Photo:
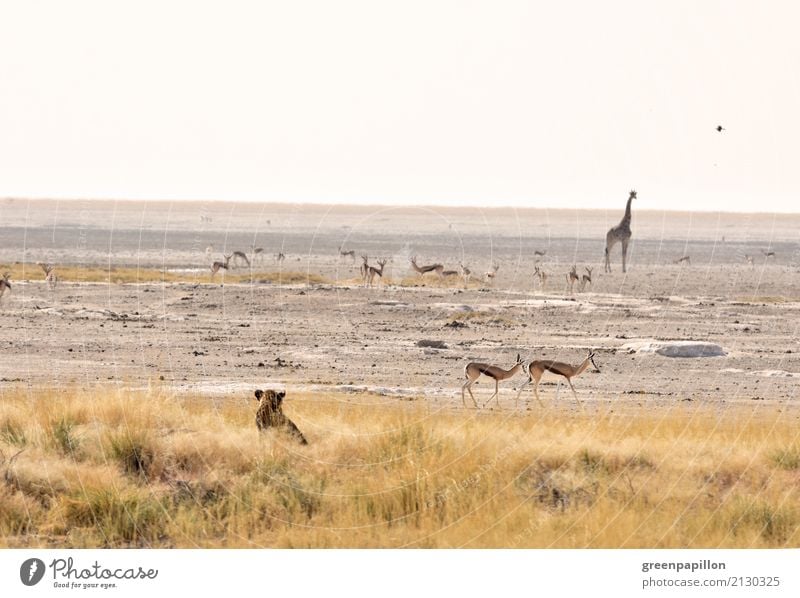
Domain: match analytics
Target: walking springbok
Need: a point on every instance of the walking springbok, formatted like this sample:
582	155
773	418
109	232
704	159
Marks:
50	276
351	254
492	274
4	284
541	275
768	254
217	266
620	234
586	278
372	271
280	256
473	371
572	278
537	368
684	260
422	270
540	253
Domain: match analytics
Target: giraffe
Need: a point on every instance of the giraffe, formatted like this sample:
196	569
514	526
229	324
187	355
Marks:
620	233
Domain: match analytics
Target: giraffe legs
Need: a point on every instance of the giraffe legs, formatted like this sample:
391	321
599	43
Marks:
624	253
611	240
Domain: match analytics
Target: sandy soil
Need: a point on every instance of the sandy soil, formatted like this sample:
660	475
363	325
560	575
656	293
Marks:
225	339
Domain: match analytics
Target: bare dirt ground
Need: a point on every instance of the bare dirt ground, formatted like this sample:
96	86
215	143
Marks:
212	338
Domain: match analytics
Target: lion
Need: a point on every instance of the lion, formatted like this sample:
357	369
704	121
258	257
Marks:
270	413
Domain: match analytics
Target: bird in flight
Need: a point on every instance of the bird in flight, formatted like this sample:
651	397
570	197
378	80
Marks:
720	129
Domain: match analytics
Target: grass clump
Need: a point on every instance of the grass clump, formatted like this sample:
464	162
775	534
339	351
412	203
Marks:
133	451
786	458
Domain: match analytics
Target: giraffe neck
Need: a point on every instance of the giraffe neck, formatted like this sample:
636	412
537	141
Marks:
626	219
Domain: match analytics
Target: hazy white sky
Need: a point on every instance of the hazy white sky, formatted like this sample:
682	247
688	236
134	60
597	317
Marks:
560	104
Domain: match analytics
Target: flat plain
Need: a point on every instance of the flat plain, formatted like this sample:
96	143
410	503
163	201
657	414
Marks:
697	450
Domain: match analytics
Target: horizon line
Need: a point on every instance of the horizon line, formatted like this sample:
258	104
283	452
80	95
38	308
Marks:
378	204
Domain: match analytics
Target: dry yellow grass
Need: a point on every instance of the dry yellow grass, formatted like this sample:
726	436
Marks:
149	275
121	468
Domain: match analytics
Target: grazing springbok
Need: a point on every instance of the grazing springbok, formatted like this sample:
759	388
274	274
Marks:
473	371
684	260
240	256
539	367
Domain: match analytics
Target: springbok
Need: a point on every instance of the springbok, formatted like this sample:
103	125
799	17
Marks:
473	371
586	278
351	254
422	270
466	273
492	274
217	266
239	256
541	275
372	271
50	276
572	278
539	367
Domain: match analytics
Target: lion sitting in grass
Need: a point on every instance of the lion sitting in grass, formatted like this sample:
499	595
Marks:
270	413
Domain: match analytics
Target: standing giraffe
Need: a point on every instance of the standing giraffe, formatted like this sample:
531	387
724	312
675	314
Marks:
620	233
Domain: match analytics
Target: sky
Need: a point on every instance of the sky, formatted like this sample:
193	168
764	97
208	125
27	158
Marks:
474	103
